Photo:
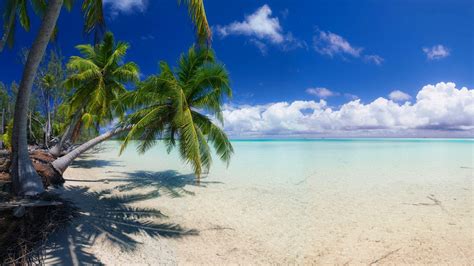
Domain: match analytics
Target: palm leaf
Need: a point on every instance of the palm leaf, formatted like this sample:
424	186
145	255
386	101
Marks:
198	16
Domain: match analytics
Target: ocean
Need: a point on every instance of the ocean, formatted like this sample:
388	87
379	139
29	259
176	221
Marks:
290	161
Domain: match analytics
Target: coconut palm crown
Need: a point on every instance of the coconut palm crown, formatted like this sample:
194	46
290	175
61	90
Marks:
180	108
99	78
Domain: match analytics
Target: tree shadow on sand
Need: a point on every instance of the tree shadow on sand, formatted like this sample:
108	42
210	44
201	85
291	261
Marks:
94	163
110	218
170	182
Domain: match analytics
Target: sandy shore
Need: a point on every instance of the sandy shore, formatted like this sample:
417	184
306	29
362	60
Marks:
311	221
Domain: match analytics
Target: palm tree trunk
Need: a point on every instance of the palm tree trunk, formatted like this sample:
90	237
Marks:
62	163
48	125
2	125
76	132
48	132
30	131
26	182
8	28
57	149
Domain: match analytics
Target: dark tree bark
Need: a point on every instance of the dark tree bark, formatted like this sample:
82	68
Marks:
26	182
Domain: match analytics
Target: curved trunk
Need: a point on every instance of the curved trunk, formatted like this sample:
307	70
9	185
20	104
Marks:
57	149
62	163
76	132
26	181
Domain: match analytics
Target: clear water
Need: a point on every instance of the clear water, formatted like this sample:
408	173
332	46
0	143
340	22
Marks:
283	162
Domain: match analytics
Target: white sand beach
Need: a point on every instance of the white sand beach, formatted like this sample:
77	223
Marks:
324	217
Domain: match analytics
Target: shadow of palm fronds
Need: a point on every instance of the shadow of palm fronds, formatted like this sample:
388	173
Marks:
109	219
170	182
94	163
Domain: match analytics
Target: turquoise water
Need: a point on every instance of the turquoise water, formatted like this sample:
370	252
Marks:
283	162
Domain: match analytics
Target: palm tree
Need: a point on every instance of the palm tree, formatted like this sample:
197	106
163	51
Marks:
167	107
48	83
26	181
179	108
99	77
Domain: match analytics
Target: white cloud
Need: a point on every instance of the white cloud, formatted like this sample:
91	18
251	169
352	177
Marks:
125	6
436	52
321	92
438	108
259	24
331	44
261	27
328	43
378	60
399	96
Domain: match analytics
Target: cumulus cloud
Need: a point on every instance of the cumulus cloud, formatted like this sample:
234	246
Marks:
438	108
399	96
262	28
125	6
331	44
321	92
436	52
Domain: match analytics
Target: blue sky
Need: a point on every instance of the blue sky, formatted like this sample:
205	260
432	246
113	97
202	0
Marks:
331	52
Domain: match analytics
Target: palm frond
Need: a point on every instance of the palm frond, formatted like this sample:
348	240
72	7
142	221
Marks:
222	145
189	142
199	84
128	72
86	50
23	14
94	20
197	14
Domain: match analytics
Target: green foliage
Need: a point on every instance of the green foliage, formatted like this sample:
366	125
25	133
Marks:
98	78
167	106
17	11
7	137
197	13
4	98
94	20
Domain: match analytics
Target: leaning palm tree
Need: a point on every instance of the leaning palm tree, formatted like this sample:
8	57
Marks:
168	106
26	181
99	78
179	107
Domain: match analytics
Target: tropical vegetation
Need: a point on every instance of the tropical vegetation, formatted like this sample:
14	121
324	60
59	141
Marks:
26	181
179	107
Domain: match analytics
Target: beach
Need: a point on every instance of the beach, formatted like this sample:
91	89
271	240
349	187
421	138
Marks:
279	201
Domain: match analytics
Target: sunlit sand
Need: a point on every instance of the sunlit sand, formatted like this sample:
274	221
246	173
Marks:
376	201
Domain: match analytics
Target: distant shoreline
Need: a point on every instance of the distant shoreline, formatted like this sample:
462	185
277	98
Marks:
352	139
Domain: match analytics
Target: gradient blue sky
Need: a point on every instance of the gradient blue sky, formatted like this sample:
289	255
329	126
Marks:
287	51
